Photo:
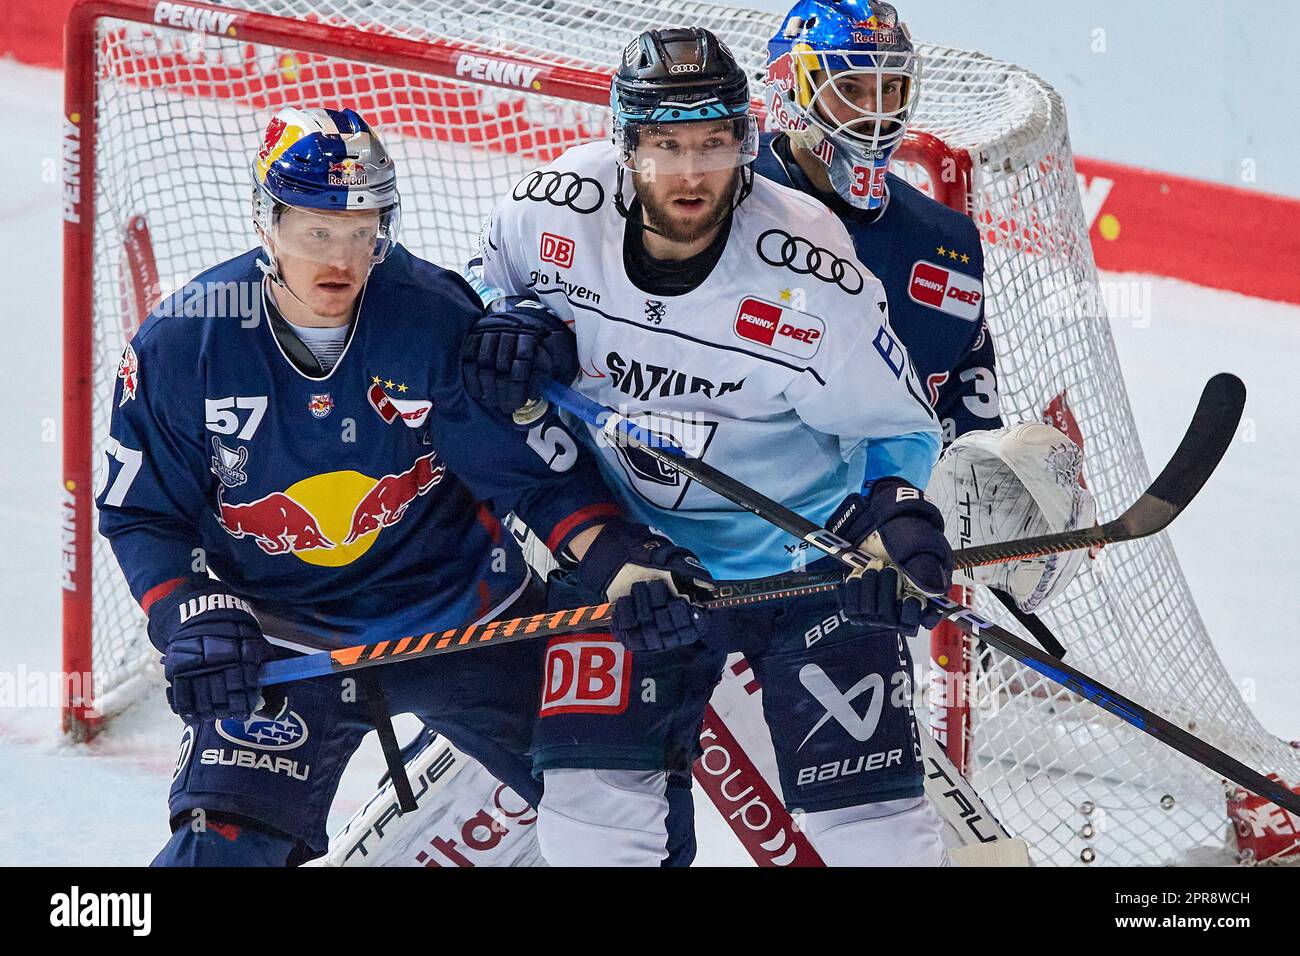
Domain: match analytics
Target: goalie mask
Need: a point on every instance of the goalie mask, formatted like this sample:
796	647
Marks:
1009	483
842	79
324	162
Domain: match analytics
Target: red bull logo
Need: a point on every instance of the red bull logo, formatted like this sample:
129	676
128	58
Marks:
274	130
277	522
280	136
386	503
874	30
320	405
781	73
349	172
332	519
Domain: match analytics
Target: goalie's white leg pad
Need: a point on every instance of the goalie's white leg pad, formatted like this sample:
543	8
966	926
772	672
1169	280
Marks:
604	817
905	832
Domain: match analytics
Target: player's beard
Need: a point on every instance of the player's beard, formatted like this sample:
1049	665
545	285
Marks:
657	213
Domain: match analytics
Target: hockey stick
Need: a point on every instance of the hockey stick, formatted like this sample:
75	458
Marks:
543	625
1212	429
1201	449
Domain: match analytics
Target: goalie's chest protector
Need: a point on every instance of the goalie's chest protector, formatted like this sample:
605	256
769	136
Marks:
711	367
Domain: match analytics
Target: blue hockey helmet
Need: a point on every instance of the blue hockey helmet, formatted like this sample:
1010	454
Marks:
842	80
327	161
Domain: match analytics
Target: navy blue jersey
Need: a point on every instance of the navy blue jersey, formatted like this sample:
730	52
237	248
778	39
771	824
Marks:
929	259
360	501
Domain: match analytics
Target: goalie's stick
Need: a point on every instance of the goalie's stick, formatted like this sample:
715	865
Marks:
1212	429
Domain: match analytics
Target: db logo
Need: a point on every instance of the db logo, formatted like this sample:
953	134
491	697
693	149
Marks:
785	330
586	674
953	292
557	249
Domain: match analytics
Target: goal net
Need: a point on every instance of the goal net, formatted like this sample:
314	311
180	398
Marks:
166	100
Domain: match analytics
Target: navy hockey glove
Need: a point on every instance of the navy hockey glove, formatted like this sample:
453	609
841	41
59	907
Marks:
212	648
509	350
910	531
651	581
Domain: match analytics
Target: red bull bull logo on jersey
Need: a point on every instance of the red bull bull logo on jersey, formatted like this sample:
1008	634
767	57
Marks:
331	519
386	503
276	522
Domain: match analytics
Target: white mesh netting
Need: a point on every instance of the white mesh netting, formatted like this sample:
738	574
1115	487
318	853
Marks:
179	112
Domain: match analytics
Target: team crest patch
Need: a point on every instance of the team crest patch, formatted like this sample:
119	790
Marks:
413	412
128	370
320	405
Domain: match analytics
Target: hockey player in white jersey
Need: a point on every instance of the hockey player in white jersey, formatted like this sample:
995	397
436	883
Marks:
732	314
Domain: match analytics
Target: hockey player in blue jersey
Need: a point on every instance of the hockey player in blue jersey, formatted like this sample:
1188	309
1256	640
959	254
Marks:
317	453
731	312
843	81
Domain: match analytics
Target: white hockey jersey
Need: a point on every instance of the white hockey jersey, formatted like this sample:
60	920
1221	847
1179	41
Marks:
780	368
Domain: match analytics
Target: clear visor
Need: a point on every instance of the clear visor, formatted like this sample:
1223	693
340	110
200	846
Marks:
350	241
869	105
669	149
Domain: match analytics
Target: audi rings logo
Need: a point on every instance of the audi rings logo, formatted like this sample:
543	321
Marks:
578	193
778	248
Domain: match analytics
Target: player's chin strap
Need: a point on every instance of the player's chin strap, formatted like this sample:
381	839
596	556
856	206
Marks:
272	272
745	187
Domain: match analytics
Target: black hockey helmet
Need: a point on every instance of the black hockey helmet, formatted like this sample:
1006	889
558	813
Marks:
680	75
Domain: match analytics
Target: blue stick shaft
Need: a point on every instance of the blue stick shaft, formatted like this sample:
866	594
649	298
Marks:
607	420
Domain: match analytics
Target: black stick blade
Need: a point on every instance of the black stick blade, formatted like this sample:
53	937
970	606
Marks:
1213	427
